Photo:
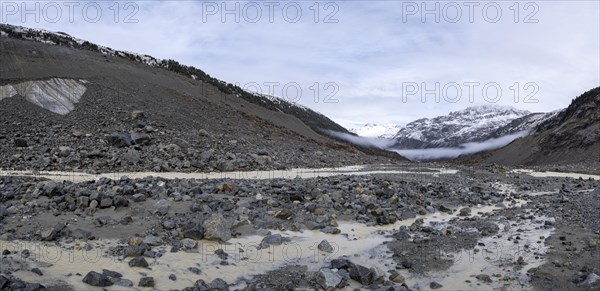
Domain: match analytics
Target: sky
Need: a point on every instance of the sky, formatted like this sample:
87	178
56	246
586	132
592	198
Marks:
357	62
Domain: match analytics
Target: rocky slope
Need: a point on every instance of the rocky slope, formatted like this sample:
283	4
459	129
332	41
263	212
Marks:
469	125
571	136
77	106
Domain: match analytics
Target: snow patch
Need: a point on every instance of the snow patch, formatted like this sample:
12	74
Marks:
56	94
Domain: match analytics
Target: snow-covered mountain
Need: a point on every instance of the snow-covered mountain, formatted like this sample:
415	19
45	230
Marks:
528	122
377	130
472	124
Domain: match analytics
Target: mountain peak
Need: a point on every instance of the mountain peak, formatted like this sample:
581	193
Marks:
491	108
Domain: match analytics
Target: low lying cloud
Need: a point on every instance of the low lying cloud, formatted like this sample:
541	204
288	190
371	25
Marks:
381	143
464	149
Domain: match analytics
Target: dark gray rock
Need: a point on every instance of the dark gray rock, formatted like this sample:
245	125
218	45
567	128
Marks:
362	274
146	282
193	230
218	284
152	240
106	202
120	201
138	262
484	278
119	139
325	246
274	239
140	138
162	207
97	279
20	143
331	230
435	285
110	273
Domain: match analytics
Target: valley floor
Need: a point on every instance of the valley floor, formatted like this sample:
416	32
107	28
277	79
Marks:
385	227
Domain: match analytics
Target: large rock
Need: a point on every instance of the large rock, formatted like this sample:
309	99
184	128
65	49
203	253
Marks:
138	262
132	155
362	274
218	284
162	206
140	138
152	240
327	279
217	228
64	151
97	279
119	139
206	155
193	231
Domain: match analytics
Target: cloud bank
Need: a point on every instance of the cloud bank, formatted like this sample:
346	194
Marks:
464	149
381	143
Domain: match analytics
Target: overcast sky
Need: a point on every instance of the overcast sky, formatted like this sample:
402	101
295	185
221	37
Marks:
373	58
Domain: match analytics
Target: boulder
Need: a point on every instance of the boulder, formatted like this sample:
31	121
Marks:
97	279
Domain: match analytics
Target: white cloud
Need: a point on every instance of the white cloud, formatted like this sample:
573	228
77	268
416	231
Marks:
464	149
370	52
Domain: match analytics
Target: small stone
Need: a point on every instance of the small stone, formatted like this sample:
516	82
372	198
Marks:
162	206
465	211
134	241
146	282
138	262
172	277
138	114
274	239
331	230
397	277
325	246
189	243
152	240
484	278
97	279
435	285
37	271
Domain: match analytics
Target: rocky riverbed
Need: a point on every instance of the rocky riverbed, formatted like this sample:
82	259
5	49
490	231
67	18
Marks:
378	227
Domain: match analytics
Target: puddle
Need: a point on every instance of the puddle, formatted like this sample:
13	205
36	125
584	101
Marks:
557	174
238	175
497	258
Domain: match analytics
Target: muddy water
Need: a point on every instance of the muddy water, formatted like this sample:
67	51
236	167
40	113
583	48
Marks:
239	175
358	242
557	174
